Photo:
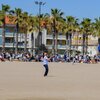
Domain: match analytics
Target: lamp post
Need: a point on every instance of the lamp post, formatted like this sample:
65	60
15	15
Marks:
40	3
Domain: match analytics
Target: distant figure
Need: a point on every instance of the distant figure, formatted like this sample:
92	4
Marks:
45	63
99	48
74	60
65	57
1	58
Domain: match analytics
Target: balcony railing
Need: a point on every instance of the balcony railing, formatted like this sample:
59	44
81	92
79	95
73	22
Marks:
61	46
11	45
62	37
8	44
8	34
49	37
58	46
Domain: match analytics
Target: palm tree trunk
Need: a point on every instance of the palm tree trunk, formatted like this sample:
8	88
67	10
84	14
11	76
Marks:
77	41
17	29
99	40
13	41
67	43
83	44
20	41
86	43
70	44
54	36
53	44
56	44
3	38
25	49
32	42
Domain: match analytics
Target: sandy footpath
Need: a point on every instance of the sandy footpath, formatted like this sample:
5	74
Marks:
25	81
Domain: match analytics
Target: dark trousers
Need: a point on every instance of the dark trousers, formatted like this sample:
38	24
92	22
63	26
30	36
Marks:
46	70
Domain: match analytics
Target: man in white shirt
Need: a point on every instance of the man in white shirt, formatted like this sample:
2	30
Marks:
45	64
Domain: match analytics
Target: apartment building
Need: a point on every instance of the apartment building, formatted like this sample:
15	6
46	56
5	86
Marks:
76	44
10	37
47	40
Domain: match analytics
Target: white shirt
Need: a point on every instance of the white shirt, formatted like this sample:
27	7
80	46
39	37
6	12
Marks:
0	56
45	60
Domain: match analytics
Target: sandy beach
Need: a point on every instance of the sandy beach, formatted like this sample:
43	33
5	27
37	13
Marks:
65	81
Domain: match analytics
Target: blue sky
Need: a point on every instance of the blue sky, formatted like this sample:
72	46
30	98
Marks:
77	8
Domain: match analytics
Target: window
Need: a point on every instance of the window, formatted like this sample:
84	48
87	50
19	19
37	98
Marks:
1	30
0	40
49	42
9	40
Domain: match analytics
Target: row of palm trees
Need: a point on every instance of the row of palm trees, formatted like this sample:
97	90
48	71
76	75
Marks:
54	23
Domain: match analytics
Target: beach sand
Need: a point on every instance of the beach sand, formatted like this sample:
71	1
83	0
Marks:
65	81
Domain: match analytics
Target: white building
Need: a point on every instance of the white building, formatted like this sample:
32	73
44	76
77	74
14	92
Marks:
47	40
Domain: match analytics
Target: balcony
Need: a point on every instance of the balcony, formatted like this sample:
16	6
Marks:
49	37
8	44
11	45
60	37
9	34
58	46
61	46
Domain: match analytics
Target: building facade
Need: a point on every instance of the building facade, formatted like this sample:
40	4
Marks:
10	39
76	44
47	39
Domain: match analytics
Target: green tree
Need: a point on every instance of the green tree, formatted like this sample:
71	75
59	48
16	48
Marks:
86	30
25	26
97	28
72	26
33	29
18	15
56	18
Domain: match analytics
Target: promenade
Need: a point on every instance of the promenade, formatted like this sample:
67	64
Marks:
65	81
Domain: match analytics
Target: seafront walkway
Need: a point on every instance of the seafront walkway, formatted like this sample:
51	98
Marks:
65	81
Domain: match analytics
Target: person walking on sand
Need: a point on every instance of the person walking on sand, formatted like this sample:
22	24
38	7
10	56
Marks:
45	63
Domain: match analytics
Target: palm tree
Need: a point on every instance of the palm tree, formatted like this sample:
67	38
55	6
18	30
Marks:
17	13
1	18
57	17
97	30
5	9
86	28
43	23
72	25
97	27
46	21
33	29
25	26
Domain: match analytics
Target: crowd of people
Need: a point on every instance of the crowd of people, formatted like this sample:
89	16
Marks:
27	57
15	57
